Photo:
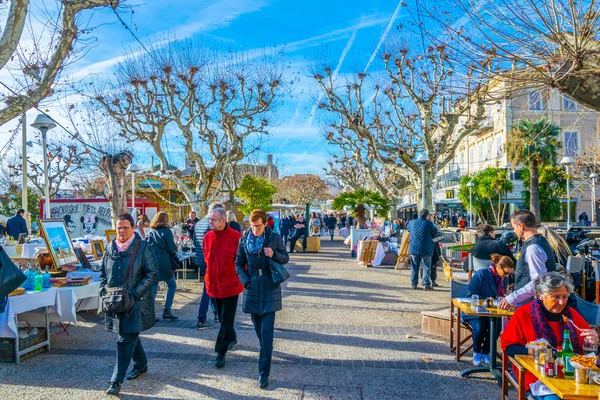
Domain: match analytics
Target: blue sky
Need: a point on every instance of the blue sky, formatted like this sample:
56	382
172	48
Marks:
345	32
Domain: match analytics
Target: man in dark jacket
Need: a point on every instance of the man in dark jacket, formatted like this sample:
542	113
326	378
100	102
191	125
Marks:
262	297
191	224
284	228
16	225
221	280
200	229
331	222
422	231
299	233
129	249
487	245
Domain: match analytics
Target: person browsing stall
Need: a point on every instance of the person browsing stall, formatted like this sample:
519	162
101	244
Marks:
546	317
487	245
485	283
222	282
537	258
262	297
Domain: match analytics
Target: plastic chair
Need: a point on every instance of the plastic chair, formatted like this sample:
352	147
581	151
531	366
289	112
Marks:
589	311
458	289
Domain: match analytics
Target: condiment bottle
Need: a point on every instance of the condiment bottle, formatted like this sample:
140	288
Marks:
567	353
559	364
549	363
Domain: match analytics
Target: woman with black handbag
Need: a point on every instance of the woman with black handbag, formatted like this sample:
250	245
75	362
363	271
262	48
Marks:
261	249
129	270
163	244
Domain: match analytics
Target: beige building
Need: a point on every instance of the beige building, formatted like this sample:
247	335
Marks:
579	132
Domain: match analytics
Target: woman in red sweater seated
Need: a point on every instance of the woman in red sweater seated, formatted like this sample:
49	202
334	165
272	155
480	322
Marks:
542	318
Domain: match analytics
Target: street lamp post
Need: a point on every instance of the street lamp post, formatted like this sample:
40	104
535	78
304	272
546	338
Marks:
44	123
470	186
566	161
132	169
593	177
422	159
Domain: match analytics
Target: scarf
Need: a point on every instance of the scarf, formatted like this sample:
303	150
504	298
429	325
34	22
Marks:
499	281
255	244
125	245
543	330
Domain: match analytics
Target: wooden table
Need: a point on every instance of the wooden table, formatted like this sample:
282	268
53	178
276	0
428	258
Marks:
494	314
563	388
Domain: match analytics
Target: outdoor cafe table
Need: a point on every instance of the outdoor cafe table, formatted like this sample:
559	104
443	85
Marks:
494	314
563	388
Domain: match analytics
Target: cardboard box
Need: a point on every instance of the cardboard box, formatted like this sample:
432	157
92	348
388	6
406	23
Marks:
313	244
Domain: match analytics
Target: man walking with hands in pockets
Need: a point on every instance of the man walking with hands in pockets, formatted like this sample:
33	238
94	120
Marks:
221	280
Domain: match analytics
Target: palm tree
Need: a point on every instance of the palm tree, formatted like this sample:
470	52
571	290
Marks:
534	143
358	199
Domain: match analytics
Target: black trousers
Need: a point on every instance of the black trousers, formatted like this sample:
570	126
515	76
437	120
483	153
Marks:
128	347
264	326
295	238
226	309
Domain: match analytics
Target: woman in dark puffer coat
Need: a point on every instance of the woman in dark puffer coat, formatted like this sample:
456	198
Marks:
262	298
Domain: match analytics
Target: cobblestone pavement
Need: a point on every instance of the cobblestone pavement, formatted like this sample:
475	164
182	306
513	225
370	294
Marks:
346	332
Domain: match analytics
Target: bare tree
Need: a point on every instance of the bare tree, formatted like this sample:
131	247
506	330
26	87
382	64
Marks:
301	189
414	109
36	67
213	102
552	43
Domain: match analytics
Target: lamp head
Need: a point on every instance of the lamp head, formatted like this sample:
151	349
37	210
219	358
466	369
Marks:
422	159
567	161
133	168
593	175
43	122
470	184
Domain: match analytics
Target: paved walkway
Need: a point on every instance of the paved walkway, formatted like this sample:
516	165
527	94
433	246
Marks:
346	332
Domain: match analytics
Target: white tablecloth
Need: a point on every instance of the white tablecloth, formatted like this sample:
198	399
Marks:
23	303
83	273
379	254
66	306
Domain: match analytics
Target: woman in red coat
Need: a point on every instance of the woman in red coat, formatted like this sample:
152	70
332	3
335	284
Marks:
542	318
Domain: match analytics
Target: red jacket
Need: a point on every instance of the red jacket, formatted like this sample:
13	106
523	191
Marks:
220	249
520	331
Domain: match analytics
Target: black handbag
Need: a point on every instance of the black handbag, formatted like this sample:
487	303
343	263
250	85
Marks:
11	276
278	272
116	300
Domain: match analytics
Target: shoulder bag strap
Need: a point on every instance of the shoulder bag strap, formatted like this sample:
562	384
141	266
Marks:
131	261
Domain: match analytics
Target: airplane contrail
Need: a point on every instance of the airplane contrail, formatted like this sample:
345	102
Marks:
337	69
384	36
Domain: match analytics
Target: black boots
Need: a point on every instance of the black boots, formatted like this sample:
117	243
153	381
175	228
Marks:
167	315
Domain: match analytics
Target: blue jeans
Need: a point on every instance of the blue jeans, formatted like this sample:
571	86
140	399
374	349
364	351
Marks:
128	347
172	287
331	232
265	327
422	263
285	238
481	334
203	309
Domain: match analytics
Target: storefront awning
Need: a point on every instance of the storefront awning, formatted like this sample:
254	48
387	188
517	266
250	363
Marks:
407	205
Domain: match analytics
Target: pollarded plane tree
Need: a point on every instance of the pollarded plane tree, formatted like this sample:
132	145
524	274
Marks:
212	102
419	106
548	43
37	43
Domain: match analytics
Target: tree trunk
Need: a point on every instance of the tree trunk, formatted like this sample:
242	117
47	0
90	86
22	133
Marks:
534	191
115	169
429	176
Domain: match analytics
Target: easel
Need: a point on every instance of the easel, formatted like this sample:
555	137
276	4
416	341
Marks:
403	256
367	252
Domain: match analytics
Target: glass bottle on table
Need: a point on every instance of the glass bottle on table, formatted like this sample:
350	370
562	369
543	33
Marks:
559	364
549	363
46	284
567	353
38	281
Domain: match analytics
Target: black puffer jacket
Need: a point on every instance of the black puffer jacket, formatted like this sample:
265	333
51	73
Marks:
261	295
143	276
163	245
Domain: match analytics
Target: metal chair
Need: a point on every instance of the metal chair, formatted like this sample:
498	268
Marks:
589	311
475	264
458	289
